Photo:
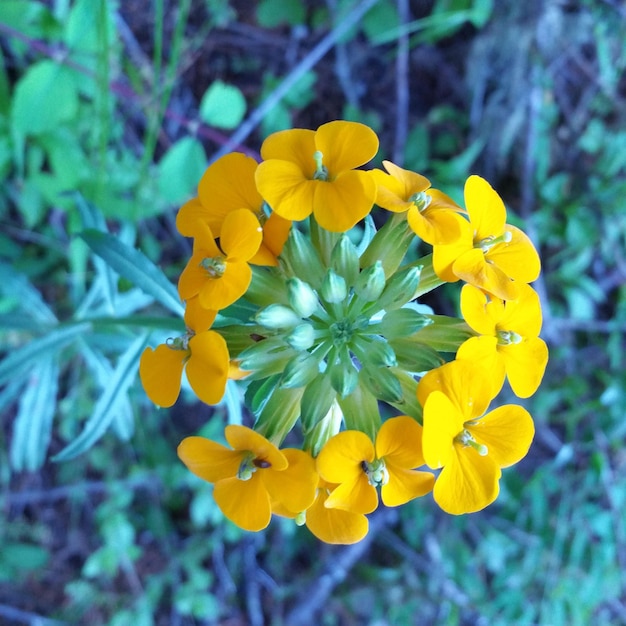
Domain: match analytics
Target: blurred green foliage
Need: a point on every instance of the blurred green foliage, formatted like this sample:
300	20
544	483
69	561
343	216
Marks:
103	134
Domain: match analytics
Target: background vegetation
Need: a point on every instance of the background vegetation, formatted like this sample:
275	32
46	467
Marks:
109	113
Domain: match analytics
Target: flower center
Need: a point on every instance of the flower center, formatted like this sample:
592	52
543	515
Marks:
321	171
249	464
507	337
376	472
490	242
421	200
466	439
214	266
178	343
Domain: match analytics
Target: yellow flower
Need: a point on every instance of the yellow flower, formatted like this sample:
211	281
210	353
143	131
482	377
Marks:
509	343
226	186
307	171
352	461
219	278
203	355
469	445
430	213
251	475
489	254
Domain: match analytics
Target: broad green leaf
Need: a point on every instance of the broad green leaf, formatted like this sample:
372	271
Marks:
31	353
108	403
45	96
136	267
223	106
180	169
33	425
17	558
83	26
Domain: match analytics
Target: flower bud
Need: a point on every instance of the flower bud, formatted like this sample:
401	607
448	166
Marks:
334	288
302	337
300	370
382	383
276	316
374	351
400	289
343	375
302	259
344	259
371	282
302	298
402	323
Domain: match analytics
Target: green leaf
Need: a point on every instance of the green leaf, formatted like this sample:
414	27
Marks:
136	267
223	106
44	97
32	353
33	425
272	13
21	557
15	285
180	169
108	403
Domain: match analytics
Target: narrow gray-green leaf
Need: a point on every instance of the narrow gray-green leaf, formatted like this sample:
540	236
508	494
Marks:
16	285
105	410
136	267
32	352
33	425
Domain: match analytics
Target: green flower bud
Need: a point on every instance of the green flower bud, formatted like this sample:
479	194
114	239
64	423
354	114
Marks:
374	351
400	289
277	316
414	356
317	399
266	357
302	298
300	370
371	282
382	383
302	259
389	245
343	375
344	259
402	323
302	337
334	288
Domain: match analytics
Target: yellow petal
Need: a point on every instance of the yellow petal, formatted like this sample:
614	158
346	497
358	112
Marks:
341	457
468	483
218	293
399	440
244	502
405	485
518	259
436	226
356	495
390	192
444	256
473	268
188	217
507	432
208	459
286	189
335	525
207	368
244	438
524	314
294	487
296	145
486	210
466	385
227	185
484	352
525	365
340	204
192	278
411	182
345	145
442	423
160	371
475	312
197	318
275	233
241	235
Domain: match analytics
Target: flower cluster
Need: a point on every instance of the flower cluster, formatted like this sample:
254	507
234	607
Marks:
292	291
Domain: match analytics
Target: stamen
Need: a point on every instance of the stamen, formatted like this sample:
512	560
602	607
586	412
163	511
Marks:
421	200
466	439
214	266
321	171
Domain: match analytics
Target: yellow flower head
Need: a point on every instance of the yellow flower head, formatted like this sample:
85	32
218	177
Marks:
307	171
509	344
219	278
203	355
489	254
351	460
430	213
226	186
469	445
250	475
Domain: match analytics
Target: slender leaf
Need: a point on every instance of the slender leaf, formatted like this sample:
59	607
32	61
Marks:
136	267
31	353
108	403
17	286
33	425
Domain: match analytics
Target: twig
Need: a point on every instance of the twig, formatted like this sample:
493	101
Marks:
336	570
26	617
309	61
402	80
253	587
